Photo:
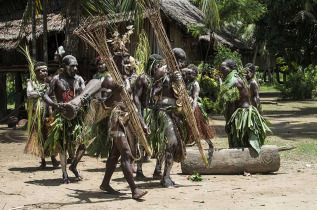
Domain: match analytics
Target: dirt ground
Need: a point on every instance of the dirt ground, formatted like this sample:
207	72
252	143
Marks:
23	186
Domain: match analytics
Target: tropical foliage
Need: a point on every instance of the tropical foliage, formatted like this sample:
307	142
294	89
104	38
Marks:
288	29
300	85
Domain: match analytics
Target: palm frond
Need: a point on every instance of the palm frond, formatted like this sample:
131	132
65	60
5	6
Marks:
142	52
25	51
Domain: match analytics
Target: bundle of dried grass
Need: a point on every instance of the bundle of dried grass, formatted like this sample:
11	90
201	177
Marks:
151	9
93	31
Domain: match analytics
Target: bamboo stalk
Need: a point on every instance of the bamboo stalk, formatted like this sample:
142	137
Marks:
151	9
93	31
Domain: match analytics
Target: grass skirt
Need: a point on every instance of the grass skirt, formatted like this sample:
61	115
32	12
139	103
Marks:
37	128
65	134
247	128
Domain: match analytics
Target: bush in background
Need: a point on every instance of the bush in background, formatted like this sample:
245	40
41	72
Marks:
300	85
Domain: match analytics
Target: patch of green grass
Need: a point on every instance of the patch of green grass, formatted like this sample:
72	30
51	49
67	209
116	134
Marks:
268	88
305	150
309	149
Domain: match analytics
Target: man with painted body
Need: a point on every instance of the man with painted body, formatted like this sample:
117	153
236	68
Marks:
253	86
65	87
124	143
253	127
166	100
143	100
190	75
35	91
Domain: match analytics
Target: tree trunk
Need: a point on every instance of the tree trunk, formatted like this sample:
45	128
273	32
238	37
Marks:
72	39
277	72
3	95
255	54
18	92
233	161
33	30
45	53
288	61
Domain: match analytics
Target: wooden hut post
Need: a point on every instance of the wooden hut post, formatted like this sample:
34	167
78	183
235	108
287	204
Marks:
18	91
45	54
33	30
3	95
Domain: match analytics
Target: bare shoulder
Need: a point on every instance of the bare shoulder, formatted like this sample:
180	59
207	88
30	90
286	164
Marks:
142	79
55	78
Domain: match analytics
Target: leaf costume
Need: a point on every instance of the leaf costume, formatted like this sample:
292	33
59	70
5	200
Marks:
65	134
205	130
37	127
247	128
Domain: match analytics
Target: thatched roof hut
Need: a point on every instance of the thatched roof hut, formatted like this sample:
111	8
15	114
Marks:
10	33
182	12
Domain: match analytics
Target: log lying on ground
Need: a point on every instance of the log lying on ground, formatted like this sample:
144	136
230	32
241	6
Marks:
233	161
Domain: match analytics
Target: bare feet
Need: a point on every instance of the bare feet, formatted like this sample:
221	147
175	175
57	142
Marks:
140	176
137	194
109	189
65	181
167	182
76	173
54	162
157	175
43	164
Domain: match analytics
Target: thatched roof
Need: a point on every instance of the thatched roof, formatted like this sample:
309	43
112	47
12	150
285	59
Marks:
10	30
224	37
181	12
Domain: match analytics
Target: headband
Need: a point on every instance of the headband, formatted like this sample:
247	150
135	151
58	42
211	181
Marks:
39	67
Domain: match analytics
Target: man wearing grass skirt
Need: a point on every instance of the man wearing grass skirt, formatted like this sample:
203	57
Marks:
244	124
65	134
38	115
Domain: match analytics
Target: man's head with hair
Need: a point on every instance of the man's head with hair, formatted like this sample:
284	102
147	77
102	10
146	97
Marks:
251	69
40	69
154	63
194	68
180	56
227	66
70	65
101	66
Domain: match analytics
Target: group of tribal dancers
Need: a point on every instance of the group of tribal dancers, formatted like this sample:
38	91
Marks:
156	102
